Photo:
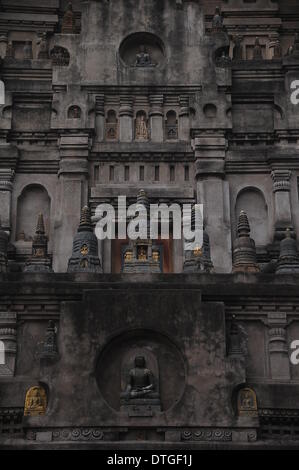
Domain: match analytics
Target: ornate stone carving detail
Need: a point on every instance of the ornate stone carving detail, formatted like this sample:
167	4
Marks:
49	347
6	179
252	436
207	435
60	56
281	180
70	434
11	420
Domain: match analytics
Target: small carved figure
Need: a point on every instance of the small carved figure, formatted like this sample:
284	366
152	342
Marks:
43	52
217	22
247	403
128	256
35	402
141	127
74	112
238	50
223	61
143	58
10	51
277	50
257	50
140	381
142	255
68	22
28	50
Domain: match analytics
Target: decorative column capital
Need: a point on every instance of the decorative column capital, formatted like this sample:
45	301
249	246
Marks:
6	179
184	104
126	106
281	180
99	108
156	102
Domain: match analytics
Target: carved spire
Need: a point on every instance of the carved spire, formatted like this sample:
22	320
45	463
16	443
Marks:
49	347
198	259
39	260
288	261
244	252
85	220
141	256
243	225
40	228
85	256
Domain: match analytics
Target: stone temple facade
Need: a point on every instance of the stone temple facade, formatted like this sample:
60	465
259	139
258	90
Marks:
119	344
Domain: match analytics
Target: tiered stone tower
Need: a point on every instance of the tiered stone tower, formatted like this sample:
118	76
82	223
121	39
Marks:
129	343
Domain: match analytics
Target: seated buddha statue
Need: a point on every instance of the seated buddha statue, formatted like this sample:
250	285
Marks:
140	380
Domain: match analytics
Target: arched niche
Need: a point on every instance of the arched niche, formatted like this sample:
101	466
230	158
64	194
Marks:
252	201
74	112
33	200
171	125
140	43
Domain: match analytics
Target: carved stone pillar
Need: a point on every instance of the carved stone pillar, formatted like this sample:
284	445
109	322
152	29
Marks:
73	174
156	118
100	118
126	119
6	186
282	201
3	45
277	346
213	193
8	336
184	119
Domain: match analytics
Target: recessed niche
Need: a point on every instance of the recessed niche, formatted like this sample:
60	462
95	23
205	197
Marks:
210	110
142	50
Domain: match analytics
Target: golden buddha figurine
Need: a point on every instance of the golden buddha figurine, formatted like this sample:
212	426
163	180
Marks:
35	402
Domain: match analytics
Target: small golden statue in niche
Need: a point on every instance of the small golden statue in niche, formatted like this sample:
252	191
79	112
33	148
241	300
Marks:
35	402
84	250
141	127
128	256
142	253
197	251
247	402
156	256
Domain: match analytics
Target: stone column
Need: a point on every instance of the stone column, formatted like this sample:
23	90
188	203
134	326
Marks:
213	193
126	119
3	45
277	347
282	202
8	336
100	118
184	119
156	118
6	186
73	192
